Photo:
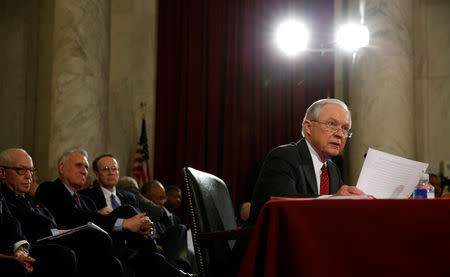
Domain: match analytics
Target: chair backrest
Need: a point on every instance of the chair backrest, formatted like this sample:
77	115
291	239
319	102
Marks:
210	209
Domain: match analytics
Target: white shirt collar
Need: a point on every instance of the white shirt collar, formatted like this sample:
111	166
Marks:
68	188
107	195
317	163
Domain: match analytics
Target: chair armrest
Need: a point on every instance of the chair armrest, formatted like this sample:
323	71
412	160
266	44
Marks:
208	237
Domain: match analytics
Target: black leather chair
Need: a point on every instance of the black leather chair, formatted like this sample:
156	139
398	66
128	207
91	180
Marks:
212	220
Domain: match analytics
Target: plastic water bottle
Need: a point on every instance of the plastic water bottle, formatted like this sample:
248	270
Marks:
424	189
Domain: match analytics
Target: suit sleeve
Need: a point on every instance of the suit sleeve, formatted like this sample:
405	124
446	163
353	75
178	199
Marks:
281	175
10	230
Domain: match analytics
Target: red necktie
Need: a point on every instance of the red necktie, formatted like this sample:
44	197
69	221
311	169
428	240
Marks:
77	198
324	181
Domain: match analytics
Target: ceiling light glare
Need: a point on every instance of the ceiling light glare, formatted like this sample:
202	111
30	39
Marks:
351	37
291	37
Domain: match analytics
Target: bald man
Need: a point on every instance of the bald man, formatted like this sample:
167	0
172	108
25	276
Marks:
171	237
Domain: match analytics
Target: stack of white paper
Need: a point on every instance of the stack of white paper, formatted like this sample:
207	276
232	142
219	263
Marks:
388	176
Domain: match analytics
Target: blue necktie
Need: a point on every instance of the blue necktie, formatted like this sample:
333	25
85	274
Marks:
114	202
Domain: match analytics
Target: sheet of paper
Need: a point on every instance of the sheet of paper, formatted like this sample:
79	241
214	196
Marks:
388	176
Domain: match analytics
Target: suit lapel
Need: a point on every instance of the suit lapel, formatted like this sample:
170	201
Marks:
307	165
100	196
67	194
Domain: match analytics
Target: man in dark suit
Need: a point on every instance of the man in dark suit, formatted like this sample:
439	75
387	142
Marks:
51	260
92	246
14	258
104	192
303	169
173	202
171	234
153	211
72	209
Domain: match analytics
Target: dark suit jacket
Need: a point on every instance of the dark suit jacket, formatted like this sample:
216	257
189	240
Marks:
96	194
35	218
153	211
67	212
288	171
10	229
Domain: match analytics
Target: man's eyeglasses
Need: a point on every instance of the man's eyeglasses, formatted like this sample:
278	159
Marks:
21	170
107	168
334	128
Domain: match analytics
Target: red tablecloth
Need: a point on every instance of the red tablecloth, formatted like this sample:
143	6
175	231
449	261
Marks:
409	237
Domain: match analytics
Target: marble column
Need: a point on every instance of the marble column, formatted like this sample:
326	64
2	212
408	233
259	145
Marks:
79	79
381	85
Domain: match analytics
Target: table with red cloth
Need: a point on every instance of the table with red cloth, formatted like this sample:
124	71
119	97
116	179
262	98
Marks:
351	237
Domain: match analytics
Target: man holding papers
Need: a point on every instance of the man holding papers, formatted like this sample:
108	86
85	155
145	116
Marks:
303	169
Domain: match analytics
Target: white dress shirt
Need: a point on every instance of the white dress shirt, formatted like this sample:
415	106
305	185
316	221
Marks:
317	163
107	195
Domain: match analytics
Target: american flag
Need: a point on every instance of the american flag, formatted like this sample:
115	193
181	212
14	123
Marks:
141	168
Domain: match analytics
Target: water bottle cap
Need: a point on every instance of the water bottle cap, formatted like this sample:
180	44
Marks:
424	176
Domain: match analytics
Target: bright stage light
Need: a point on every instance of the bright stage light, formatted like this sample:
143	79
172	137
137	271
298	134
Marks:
292	37
351	37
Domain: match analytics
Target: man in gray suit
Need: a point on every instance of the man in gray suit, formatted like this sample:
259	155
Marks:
304	169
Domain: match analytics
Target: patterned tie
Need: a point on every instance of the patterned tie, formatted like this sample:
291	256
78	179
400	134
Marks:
324	181
77	198
114	202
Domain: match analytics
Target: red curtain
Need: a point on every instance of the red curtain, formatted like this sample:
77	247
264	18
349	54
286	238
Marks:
225	94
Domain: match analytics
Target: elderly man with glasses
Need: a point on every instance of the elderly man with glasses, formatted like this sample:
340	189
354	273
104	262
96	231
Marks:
303	169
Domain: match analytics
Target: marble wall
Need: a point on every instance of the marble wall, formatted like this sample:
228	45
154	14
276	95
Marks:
76	74
17	73
432	80
132	78
399	104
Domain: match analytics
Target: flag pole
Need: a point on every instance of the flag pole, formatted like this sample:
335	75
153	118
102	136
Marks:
143	106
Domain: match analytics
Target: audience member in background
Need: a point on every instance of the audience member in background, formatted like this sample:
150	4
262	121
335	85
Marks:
92	248
436	182
71	209
104	192
153	211
173	202
14	258
244	212
171	237
50	260
88	183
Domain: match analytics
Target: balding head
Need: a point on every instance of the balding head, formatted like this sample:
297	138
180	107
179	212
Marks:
155	192
16	170
127	181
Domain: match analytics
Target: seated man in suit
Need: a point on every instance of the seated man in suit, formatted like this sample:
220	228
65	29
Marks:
173	202
50	260
153	211
104	192
71	209
304	169
171	235
92	247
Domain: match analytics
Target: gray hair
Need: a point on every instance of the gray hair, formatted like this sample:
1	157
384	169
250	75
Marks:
5	155
66	154
127	181
313	112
